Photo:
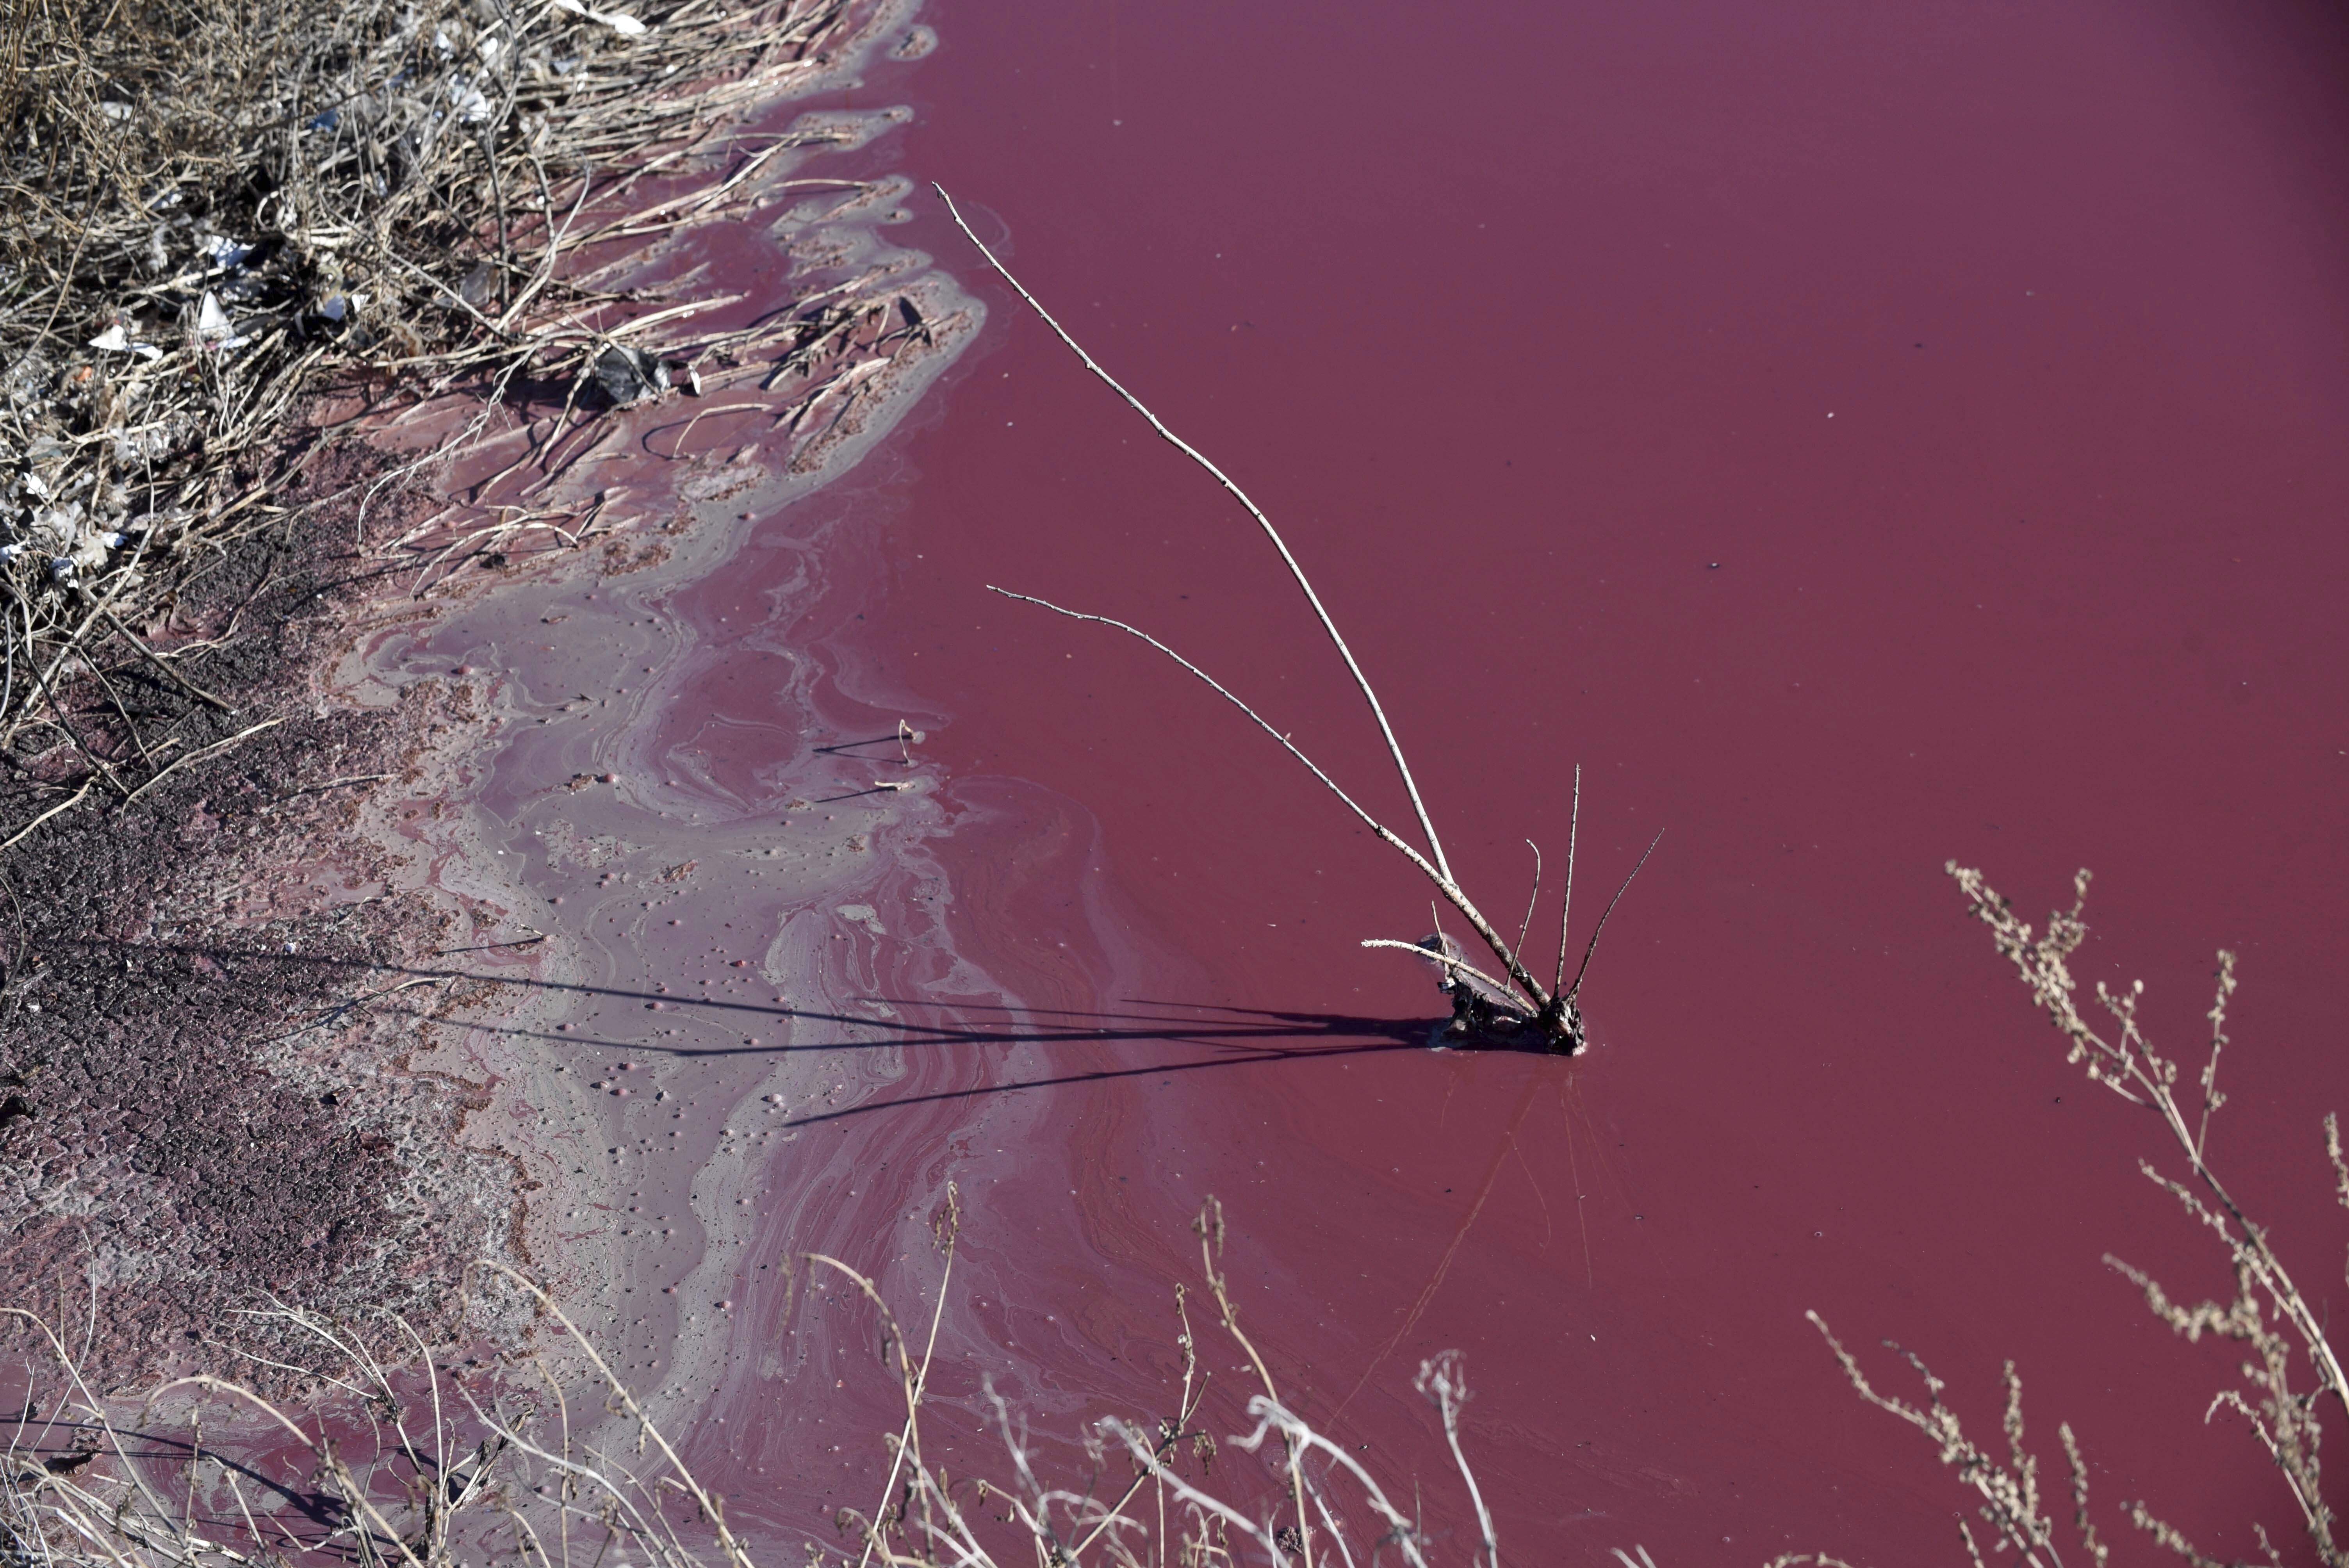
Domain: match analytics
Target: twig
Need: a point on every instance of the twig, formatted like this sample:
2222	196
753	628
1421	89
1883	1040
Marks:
215	749
62	806
1395	748
1576	989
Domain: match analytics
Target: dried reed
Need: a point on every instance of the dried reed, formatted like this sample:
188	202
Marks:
409	1462
1325	1501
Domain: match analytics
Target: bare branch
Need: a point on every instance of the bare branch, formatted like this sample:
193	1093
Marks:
1395	748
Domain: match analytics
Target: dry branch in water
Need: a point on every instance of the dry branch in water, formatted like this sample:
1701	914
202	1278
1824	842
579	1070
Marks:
1482	1007
2277	1325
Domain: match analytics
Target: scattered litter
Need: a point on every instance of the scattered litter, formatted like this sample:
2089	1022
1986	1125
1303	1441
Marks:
473	108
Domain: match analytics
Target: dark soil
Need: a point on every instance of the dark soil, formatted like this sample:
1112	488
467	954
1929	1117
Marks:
193	1116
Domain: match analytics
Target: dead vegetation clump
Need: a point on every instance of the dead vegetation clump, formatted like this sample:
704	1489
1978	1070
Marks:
397	1457
407	1460
2291	1369
215	210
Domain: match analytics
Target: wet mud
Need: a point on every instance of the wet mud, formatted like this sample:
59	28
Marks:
287	1029
196	1122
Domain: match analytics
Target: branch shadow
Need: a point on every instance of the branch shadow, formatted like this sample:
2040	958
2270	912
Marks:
1231	1036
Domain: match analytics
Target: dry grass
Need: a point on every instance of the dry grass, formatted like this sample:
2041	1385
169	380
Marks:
2278	1327
1323	1505
212	211
400	1458
407	1460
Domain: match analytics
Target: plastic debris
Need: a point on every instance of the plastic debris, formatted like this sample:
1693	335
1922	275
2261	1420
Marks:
628	26
630	375
472	107
214	330
224	252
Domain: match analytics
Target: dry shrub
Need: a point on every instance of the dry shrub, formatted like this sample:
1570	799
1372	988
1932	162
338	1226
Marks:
2278	1327
1324	1505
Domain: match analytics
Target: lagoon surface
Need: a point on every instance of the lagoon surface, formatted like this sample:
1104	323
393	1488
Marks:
1857	439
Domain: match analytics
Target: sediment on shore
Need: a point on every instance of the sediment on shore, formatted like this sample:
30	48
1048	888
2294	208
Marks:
309	339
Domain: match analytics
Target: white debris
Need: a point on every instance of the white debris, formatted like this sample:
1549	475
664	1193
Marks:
472	107
224	252
214	330
628	26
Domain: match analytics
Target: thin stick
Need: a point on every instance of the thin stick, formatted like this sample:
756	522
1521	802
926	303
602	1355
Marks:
1576	989
215	749
1451	891
1394	747
1566	915
1447	962
915	1382
66	805
1532	897
169	674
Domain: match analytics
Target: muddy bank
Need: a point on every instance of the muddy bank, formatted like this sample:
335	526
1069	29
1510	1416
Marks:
197	1116
295	1021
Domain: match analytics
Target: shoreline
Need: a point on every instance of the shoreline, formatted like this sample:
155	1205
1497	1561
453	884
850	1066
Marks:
429	1073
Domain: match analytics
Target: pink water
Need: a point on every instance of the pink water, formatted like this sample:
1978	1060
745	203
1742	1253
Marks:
1858	438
